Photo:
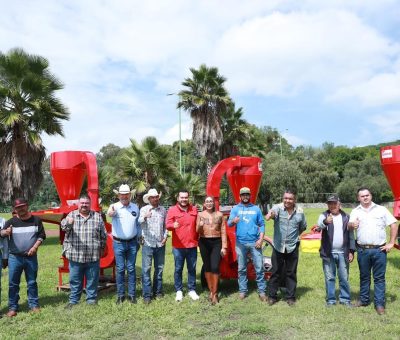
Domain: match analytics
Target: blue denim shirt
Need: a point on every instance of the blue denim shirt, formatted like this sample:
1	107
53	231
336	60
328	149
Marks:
287	229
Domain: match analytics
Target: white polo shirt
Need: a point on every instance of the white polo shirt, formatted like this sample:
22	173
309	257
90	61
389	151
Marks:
373	223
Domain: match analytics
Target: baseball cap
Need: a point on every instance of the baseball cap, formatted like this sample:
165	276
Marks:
19	202
244	190
333	198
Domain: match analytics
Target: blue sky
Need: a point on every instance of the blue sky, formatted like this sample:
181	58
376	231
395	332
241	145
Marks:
318	71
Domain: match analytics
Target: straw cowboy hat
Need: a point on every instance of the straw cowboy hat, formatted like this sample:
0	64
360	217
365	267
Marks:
151	193
124	189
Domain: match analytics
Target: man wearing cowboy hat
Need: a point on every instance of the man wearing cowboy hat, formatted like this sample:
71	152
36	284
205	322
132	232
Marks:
126	232
154	235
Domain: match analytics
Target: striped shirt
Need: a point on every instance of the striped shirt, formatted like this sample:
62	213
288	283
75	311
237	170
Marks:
24	234
84	238
153	228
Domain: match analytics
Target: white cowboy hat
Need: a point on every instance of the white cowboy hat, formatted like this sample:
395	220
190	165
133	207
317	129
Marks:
151	193
123	189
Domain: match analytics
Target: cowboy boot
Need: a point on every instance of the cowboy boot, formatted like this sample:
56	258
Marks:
209	284
214	280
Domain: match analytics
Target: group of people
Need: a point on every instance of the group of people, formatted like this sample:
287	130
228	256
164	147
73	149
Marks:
85	243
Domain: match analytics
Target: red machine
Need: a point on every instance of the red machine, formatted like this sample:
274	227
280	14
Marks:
240	172
69	170
390	162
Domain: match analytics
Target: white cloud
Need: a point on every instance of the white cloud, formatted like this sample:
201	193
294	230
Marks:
387	123
118	59
283	54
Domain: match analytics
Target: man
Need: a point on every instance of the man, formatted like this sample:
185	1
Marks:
337	251
181	220
126	232
26	234
370	221
289	223
3	250
154	235
250	228
84	244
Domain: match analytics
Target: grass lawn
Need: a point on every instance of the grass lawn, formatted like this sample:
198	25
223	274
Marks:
231	318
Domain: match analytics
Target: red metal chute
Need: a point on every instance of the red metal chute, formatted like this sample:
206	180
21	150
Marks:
240	172
69	170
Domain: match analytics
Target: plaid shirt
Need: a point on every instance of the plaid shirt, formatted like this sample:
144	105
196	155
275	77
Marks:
85	238
153	228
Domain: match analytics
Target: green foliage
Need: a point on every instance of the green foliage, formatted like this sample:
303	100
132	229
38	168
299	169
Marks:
366	172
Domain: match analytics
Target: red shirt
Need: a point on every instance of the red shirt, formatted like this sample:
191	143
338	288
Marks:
185	235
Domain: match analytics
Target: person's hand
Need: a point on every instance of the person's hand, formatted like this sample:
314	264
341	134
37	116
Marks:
32	251
8	231
271	214
223	252
351	257
111	211
148	214
387	247
70	220
259	243
176	224
236	220
356	223
201	222
329	219
164	241
4	263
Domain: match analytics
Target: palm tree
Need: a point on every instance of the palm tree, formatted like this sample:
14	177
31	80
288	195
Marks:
235	131
205	98
28	108
147	165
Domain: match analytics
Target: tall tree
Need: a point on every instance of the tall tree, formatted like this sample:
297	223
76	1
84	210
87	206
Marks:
205	98
28	108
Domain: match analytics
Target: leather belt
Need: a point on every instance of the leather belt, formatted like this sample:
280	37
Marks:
122	240
369	246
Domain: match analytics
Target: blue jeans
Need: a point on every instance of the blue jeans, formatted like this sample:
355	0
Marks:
16	265
148	254
374	259
337	262
77	271
180	255
125	259
256	255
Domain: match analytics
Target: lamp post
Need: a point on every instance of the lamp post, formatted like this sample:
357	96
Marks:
180	137
280	142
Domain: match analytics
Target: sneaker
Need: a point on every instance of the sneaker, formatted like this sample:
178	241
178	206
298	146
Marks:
263	297
242	296
35	310
132	299
120	299
11	313
146	301
69	306
271	301
380	310
179	296
361	304
193	295
291	302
